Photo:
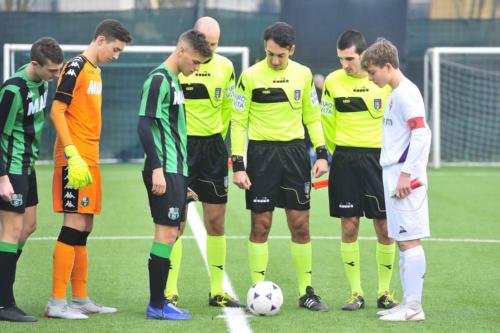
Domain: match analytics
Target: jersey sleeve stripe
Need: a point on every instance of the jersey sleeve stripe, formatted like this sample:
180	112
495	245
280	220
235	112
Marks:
67	82
153	96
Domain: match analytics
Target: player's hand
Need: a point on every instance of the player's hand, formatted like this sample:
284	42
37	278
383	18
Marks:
240	179
78	171
191	195
320	167
159	183
6	189
403	188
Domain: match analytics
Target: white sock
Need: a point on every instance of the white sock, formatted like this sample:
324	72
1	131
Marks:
413	274
402	269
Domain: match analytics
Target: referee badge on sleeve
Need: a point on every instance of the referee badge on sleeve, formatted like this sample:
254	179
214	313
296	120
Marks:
297	94
377	103
218	93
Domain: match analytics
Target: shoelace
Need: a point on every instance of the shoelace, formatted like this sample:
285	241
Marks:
352	299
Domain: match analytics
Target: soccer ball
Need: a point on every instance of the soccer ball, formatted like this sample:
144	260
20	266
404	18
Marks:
264	298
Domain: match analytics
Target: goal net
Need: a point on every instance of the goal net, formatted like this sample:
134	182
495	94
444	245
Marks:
462	95
122	84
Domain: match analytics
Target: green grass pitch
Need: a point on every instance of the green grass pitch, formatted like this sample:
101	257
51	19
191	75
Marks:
461	291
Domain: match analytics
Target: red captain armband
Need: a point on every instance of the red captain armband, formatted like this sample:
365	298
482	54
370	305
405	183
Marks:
417	122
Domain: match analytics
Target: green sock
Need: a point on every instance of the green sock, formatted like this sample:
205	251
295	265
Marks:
8	247
350	258
385	263
258	256
175	267
302	260
161	250
216	257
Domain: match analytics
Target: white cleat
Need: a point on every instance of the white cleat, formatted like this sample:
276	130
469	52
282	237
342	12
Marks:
392	310
63	311
86	307
408	312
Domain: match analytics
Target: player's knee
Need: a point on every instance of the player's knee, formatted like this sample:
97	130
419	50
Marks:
259	232
301	234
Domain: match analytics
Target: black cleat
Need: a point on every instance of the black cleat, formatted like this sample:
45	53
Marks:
224	300
355	302
13	313
386	301
312	301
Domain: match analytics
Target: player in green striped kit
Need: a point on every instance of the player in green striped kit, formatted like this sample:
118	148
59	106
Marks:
208	96
23	99
352	108
162	131
273	99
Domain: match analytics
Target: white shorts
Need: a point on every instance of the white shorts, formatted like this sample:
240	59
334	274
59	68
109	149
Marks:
407	218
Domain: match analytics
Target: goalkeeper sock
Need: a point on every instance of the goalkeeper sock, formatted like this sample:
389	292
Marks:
216	257
175	267
158	267
80	268
8	258
258	256
385	262
302	260
350	258
64	259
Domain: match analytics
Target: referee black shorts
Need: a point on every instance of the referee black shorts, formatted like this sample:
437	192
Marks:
25	193
168	208
207	164
355	186
280	173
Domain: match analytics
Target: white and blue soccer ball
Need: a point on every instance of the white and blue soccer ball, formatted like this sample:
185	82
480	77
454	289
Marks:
264	298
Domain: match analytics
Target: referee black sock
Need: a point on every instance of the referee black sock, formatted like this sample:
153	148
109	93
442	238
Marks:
158	274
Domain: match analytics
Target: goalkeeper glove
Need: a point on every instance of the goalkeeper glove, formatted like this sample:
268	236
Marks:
78	171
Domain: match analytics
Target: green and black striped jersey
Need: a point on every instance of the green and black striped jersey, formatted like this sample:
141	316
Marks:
274	105
163	101
209	97
22	106
352	109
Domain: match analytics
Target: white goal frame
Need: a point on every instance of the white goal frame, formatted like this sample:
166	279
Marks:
10	49
432	66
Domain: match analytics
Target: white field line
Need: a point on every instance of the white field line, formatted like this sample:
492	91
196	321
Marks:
438	240
235	318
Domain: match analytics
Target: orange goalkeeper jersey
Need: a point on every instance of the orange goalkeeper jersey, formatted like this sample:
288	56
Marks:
80	87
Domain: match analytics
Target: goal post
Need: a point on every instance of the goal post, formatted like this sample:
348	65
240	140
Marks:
462	101
122	84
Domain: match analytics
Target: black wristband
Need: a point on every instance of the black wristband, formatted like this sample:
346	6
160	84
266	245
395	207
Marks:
321	153
238	164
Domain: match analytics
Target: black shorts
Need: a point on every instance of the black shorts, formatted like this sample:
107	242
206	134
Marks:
280	173
355	183
207	164
168	208
25	193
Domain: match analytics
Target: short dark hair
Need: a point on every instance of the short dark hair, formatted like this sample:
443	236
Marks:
197	41
112	29
352	38
46	48
281	33
380	53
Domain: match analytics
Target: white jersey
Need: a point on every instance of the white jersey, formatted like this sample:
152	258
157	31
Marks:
405	102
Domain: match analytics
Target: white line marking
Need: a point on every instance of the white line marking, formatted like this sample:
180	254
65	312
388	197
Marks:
235	317
438	240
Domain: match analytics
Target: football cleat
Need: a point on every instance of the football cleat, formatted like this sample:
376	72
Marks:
405	312
167	312
63	311
224	300
86	306
386	301
312	301
354	302
13	313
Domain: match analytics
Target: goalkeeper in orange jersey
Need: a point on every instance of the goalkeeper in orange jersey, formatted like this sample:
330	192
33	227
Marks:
76	187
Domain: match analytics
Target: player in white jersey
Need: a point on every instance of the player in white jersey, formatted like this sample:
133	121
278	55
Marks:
406	141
